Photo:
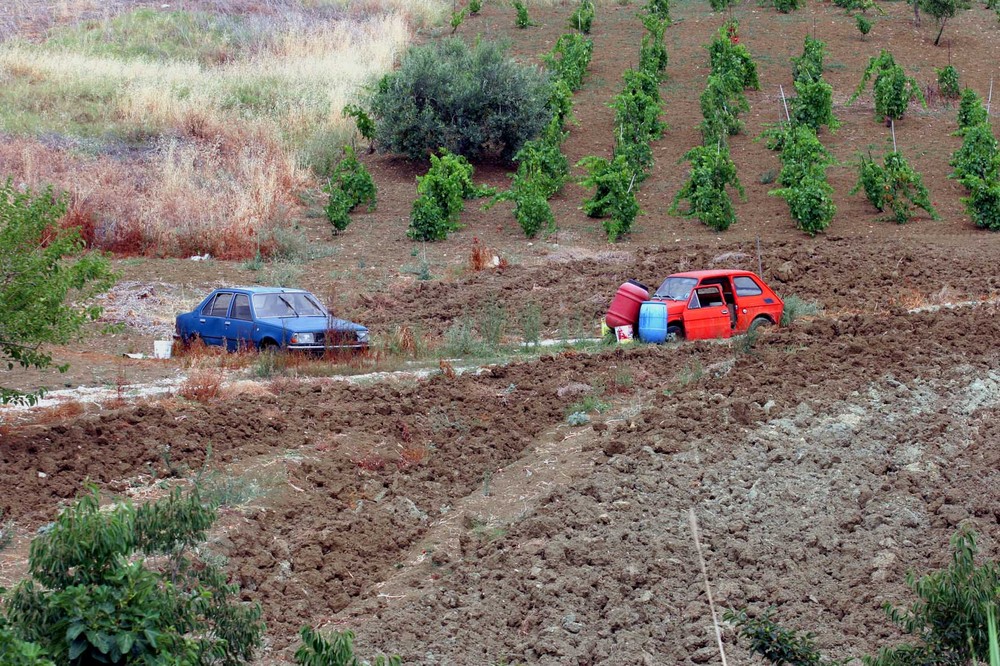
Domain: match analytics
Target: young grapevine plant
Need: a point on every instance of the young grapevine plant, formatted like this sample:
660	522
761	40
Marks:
893	185
711	171
892	88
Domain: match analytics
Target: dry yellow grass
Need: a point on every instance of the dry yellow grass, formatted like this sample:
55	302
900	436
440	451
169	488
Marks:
233	136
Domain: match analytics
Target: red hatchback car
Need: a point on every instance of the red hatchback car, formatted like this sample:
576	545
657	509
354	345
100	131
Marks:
716	304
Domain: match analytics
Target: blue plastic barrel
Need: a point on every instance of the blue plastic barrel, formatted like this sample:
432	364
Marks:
653	322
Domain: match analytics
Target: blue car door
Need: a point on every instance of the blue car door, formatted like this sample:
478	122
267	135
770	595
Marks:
211	323
239	326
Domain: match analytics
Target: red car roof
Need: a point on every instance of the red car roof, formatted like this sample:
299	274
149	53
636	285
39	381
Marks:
712	273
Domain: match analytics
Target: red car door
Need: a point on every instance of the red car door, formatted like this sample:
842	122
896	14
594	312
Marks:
707	315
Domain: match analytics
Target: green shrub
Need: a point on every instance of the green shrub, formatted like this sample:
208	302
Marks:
977	157
705	190
473	100
983	203
971	111
457	18
364	122
659	9
569	58
91	599
653	57
949	619
561	105
796	307
614	183
583	16
805	187
523	20
773	642
442	192
349	186
863	23
894	185
947	80
337	649
727	55
531	207
788	6
722	102
813	104
543	163
637	120
892	89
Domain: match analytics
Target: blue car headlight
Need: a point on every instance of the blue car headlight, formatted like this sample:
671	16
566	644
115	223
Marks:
363	336
303	338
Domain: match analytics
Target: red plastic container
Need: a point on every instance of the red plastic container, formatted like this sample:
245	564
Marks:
625	306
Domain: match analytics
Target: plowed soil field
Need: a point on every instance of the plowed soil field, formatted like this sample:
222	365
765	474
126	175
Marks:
460	520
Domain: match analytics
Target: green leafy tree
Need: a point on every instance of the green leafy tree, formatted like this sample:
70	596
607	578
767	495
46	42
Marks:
892	89
803	178
809	65
653	57
122	586
475	6
364	122
983	203
712	170
523	20
473	100
44	271
942	10
977	157
337	649
893	185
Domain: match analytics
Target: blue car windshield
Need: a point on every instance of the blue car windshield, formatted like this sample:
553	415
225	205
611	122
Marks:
286	305
676	288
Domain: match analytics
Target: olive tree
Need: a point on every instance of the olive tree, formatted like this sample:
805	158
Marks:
942	10
45	275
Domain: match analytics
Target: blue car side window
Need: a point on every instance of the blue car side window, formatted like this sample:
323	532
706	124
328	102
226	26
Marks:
241	307
220	306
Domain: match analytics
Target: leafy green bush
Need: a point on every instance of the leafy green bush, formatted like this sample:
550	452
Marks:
947	80
863	23
473	100
809	65
569	58
582	17
637	120
335	650
364	122
813	104
475	6
92	598
977	157
15	652
711	171
531	205
722	102
971	111
614	183
659	9
542	162
983	203
949	619
805	188
653	57
942	10
523	20
787	6
775	643
893	90
728	55
349	186
441	197
894	185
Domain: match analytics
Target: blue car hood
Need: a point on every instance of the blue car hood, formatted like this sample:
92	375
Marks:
316	324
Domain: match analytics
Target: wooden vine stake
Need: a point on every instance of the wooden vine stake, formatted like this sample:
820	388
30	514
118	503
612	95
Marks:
708	589
785	103
892	128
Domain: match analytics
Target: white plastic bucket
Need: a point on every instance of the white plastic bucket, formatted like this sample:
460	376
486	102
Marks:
162	348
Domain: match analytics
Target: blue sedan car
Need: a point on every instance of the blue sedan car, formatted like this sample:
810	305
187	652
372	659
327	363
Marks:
268	318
